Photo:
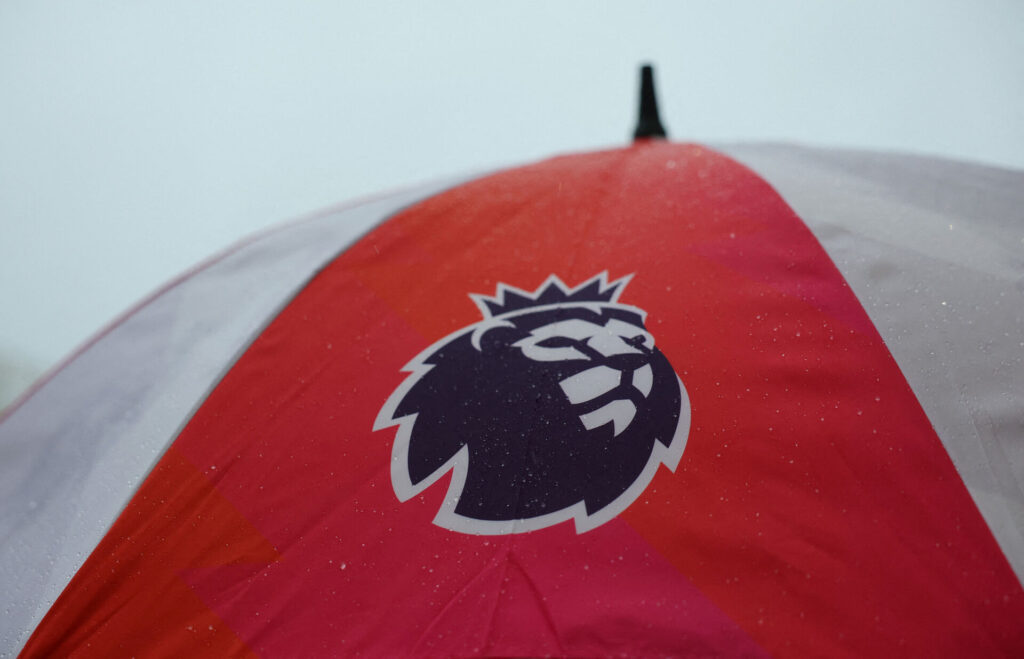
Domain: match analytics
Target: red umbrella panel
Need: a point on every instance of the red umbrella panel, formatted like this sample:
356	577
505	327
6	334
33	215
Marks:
613	403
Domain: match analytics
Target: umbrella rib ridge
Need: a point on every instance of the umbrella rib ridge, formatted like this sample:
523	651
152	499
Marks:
453	600
540	601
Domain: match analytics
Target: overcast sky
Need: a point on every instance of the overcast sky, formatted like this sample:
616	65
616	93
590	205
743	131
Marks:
137	138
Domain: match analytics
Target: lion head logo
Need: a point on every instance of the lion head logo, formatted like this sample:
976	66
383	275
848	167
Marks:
556	406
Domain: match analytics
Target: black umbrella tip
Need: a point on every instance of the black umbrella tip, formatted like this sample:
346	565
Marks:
648	126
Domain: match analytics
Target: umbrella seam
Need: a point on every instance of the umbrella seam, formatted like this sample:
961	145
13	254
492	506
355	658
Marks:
540	600
491	564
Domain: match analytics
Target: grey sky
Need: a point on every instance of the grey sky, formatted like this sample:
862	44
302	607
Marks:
139	138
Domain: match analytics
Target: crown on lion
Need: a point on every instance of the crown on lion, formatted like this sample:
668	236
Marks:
507	298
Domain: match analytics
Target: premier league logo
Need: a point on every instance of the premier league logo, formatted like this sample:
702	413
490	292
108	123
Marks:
556	406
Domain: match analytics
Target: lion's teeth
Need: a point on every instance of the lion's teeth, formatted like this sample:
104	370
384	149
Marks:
619	412
643	379
591	383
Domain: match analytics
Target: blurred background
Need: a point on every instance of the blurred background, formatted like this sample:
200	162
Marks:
138	138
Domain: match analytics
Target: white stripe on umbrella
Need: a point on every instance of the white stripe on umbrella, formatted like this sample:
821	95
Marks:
77	448
934	250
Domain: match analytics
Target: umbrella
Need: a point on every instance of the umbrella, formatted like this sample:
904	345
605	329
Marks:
656	400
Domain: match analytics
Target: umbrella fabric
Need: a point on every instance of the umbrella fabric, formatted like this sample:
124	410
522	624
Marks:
815	500
933	250
76	449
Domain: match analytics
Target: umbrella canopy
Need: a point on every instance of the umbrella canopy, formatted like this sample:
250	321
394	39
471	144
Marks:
657	400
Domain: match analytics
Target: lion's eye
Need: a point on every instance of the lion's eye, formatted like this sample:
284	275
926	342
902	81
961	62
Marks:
557	342
636	341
